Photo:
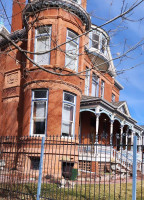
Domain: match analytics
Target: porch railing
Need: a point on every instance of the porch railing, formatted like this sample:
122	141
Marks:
109	154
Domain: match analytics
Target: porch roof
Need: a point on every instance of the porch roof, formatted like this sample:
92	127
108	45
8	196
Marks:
92	102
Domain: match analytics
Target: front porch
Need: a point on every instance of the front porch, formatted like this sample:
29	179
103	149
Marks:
99	128
106	134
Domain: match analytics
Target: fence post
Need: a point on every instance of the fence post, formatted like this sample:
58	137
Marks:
40	168
134	167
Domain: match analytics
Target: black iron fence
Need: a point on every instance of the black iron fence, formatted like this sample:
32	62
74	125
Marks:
70	169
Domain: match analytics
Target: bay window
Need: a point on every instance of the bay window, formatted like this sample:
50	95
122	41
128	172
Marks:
72	49
95	85
42	44
39	112
68	114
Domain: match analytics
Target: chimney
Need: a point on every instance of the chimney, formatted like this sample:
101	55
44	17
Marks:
18	6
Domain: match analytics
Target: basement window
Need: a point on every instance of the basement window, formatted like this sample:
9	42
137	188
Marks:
35	161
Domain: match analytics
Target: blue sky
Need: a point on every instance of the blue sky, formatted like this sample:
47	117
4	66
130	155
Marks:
128	33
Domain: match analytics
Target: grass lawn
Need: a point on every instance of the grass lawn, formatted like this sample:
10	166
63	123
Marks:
51	191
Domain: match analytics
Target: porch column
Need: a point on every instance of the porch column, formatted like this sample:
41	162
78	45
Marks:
111	131
97	126
121	136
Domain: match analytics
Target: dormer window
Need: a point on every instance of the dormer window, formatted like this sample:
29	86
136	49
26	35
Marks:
98	41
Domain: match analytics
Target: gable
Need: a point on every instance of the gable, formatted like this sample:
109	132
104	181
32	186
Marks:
124	109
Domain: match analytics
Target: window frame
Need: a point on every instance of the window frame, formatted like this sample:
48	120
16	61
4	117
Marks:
32	165
96	83
113	97
87	77
102	89
65	102
67	55
36	43
100	42
33	100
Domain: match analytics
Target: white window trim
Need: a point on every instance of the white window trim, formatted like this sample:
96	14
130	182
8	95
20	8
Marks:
70	55
32	108
74	114
35	47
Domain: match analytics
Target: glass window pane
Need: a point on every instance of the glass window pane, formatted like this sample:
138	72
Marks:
95	37
71	56
95	44
43	29
71	62
35	163
69	97
68	115
68	112
67	128
72	35
39	127
72	48
93	89
39	109
40	94
43	44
